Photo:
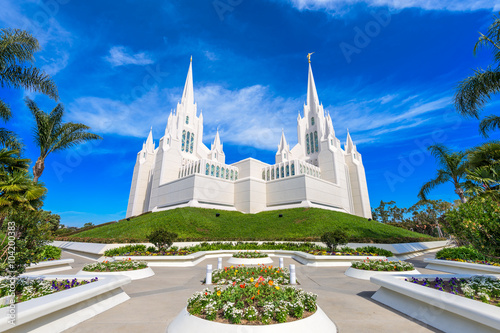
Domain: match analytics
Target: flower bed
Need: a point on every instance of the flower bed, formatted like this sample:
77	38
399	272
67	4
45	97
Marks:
250	304
382	265
482	288
443	310
115	266
250	255
466	254
28	288
251	275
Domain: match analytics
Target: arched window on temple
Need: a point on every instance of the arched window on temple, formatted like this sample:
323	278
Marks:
263	175
282	172
222	173
187	119
207	169
277	172
268	176
312	142
183	140
307	140
212	169
293	169
192	143
287	170
316	140
272	174
188	138
217	174
236	175
312	121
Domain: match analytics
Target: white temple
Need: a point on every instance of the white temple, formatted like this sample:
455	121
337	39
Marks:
183	172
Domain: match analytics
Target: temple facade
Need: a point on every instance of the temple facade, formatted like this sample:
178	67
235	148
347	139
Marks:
183	172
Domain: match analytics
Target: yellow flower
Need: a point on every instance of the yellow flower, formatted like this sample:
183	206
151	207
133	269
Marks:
251	279
236	271
277	288
218	293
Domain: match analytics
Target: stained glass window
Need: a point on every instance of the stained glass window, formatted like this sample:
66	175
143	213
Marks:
192	143
312	121
183	140
316	140
272	174
288	170
217	174
312	142
187	119
212	170
207	169
307	140
232	174
293	169
282	172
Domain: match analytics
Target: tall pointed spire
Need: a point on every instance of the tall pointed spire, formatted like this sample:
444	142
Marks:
188	94
283	144
150	145
349	145
312	94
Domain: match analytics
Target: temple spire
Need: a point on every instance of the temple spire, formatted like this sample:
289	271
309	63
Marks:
188	94
283	144
312	94
150	145
349	145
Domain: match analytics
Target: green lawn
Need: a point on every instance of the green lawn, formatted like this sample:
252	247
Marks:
202	224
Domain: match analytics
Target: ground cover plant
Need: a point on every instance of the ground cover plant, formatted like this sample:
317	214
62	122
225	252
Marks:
197	224
115	266
382	265
466	254
255	303
50	253
29	288
250	255
311	248
244	274
482	288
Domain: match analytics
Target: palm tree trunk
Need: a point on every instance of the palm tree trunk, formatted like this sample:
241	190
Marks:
460	192
38	169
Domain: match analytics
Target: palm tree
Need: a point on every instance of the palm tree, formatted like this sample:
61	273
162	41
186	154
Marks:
453	169
484	169
473	92
51	134
16	49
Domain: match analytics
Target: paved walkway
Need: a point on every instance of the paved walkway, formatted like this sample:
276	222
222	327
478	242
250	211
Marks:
156	301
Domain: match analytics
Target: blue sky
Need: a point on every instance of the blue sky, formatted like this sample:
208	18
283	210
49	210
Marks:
385	69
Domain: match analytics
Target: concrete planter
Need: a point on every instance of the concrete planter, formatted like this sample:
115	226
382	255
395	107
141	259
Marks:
133	275
457	267
444	311
59	311
250	261
49	267
5	300
364	274
317	323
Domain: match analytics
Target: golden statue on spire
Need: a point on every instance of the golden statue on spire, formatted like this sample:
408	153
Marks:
309	57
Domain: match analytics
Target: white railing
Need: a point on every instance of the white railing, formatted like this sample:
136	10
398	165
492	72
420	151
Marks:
289	169
209	168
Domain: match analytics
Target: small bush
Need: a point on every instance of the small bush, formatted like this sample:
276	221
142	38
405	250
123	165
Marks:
51	252
162	238
151	249
335	238
463	253
374	250
124	249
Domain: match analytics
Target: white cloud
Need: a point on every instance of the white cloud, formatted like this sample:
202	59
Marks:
119	56
342	6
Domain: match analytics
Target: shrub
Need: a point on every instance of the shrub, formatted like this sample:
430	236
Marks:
335	238
51	252
375	250
124	249
476	222
162	238
462	252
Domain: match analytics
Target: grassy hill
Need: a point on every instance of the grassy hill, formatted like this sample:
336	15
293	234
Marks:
202	224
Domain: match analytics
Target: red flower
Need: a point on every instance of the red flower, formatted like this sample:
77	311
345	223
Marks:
242	285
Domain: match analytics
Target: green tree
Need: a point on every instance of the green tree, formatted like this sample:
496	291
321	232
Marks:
476	90
477	223
52	135
484	170
453	169
335	238
388	212
162	238
17	48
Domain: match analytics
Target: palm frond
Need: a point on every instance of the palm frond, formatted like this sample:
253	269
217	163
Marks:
441	178
17	46
473	92
5	112
489	123
9	139
30	78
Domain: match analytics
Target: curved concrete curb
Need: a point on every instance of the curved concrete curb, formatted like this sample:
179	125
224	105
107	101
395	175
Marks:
364	274
250	261
133	275
444	311
458	267
48	267
317	323
59	311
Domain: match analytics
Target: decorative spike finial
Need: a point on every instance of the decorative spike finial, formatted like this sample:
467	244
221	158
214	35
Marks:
191	60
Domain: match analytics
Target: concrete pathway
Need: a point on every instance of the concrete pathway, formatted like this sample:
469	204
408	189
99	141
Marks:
157	300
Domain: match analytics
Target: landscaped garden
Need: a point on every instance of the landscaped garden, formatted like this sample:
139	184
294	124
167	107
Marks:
251	275
260	302
30	288
383	265
482	288
115	266
466	254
